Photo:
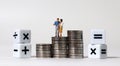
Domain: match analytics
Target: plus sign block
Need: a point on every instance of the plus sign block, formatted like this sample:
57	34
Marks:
22	36
97	51
22	50
98	36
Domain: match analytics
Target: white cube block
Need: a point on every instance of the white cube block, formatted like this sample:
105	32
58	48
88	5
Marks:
97	51
98	36
22	50
22	36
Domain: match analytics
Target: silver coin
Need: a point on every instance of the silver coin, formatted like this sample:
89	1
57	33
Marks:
59	52
60	46
38	49
43	47
75	51
60	56
39	54
75	38
43	44
59	38
75	46
76	56
74	31
59	42
76	42
75	34
43	56
43	52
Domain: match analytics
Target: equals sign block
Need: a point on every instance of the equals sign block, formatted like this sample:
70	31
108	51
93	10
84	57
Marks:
103	51
98	36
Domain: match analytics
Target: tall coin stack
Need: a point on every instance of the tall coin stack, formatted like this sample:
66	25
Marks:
43	50
60	47
75	46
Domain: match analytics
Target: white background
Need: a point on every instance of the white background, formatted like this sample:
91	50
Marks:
39	16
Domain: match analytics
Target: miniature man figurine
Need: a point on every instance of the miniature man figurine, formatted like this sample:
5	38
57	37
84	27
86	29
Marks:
60	29
56	24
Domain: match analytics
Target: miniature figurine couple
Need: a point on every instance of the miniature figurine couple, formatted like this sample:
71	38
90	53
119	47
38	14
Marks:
58	27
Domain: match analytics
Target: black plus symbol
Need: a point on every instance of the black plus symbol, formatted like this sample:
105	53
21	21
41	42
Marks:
15	35
25	50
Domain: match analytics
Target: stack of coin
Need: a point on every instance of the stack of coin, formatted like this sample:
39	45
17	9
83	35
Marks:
43	50
60	47
75	45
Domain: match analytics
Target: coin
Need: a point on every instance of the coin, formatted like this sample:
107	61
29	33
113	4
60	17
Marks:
43	50
58	52
60	56
59	38
75	34
75	41
60	46
76	56
59	42
78	51
43	47
75	46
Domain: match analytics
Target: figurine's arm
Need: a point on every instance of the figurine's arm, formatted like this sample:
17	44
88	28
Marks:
54	24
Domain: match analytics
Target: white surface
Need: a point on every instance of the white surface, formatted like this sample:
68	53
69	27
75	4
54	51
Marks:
59	62
39	15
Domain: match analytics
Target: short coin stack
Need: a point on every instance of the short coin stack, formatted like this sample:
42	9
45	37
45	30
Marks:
43	50
60	47
75	46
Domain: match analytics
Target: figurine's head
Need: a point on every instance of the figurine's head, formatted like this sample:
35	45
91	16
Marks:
57	19
61	20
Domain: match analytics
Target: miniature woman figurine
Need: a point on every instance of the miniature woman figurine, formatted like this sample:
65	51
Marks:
60	29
